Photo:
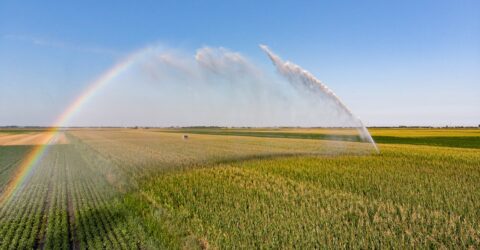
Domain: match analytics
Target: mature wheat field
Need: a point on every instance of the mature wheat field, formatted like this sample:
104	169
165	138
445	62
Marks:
246	188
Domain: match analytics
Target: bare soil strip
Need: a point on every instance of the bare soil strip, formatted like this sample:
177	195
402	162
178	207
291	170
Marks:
39	138
11	137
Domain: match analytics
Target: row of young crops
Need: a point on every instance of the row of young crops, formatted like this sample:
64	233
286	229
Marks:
10	157
66	203
22	216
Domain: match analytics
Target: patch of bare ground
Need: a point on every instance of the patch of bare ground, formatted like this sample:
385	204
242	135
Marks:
40	138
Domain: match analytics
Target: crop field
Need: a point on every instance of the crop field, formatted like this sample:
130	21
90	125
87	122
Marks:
243	188
26	138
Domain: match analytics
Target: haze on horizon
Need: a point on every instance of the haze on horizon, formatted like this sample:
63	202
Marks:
408	63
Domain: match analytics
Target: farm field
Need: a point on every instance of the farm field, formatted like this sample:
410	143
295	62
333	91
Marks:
463	138
30	138
245	188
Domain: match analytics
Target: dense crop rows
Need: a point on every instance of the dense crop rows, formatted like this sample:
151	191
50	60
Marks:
342	202
10	157
65	204
22	216
124	189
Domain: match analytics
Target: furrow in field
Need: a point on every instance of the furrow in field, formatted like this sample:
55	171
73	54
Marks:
87	214
47	202
72	226
84	233
57	230
111	223
39	238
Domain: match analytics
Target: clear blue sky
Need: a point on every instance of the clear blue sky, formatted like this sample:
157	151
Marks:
392	62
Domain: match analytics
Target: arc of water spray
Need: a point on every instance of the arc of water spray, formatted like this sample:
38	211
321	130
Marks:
27	167
294	72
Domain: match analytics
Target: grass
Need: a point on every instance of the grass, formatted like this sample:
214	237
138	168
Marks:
126	188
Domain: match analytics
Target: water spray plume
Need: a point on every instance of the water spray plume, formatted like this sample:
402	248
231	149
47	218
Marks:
218	87
297	75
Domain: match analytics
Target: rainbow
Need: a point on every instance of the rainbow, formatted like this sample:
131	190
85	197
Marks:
30	162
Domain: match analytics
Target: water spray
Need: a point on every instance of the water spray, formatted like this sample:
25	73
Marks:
297	75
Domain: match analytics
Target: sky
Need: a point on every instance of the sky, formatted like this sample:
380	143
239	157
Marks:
391	62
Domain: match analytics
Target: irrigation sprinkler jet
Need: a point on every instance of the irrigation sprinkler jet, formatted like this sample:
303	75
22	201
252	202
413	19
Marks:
298	76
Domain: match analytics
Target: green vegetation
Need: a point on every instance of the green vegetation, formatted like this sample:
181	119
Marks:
10	157
441	141
65	204
21	130
463	138
342	202
123	189
270	134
